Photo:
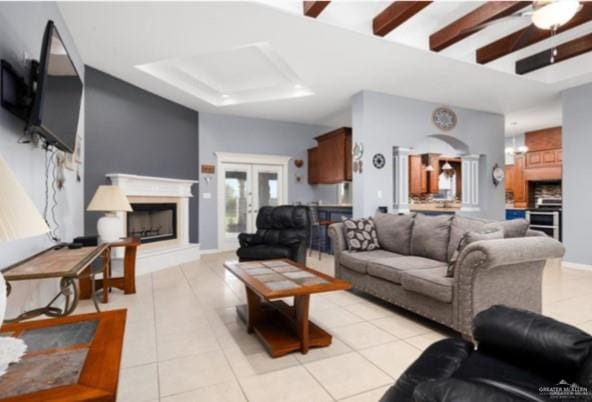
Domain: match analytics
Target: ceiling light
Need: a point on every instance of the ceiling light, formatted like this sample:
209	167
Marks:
510	151
447	166
522	149
551	14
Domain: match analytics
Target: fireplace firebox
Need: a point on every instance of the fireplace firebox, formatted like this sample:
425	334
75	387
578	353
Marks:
152	222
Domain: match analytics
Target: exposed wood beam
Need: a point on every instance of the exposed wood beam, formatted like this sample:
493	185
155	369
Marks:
515	41
469	23
314	8
396	14
565	51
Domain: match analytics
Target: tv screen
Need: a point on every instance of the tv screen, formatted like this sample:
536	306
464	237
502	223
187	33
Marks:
58	95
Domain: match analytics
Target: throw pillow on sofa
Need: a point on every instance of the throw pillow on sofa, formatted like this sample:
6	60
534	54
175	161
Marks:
514	228
360	234
394	232
459	226
489	233
430	236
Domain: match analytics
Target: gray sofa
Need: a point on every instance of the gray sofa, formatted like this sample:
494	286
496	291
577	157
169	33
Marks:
409	270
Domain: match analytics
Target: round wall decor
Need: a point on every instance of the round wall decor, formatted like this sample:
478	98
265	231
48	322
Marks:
378	161
444	118
497	174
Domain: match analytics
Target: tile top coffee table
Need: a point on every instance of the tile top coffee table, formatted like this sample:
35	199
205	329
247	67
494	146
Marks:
281	327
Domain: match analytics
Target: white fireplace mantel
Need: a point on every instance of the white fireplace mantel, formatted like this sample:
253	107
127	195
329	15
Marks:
148	186
140	189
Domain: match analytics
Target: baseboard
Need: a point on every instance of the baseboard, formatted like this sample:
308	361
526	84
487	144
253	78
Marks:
210	251
576	265
155	260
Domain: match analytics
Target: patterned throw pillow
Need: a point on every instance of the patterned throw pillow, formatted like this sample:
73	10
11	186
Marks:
471	237
360	234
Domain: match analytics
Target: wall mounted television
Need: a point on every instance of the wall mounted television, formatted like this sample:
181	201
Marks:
56	105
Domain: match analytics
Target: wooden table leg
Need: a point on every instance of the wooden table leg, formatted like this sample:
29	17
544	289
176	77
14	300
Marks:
301	304
129	270
85	285
106	274
254	309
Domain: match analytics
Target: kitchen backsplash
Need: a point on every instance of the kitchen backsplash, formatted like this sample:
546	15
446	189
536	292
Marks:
547	190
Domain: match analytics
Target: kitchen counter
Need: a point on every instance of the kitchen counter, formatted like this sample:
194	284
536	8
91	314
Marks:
335	206
434	207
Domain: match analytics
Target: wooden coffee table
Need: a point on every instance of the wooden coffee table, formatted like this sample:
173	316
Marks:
281	327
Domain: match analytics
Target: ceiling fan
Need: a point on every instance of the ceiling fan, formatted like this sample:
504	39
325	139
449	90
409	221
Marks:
545	14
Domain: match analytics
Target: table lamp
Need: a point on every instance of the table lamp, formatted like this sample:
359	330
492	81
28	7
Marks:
18	219
109	199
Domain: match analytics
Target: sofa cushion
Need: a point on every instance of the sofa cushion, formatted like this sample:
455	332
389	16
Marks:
390	269
430	236
513	228
489	232
431	282
394	232
458	227
360	234
263	252
358	261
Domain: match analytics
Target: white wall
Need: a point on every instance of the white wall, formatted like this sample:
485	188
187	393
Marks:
383	121
577	171
21	31
223	133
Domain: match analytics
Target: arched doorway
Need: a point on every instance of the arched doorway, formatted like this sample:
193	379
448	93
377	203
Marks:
438	171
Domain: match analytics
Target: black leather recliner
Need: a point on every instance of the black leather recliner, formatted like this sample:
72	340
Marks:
282	232
521	356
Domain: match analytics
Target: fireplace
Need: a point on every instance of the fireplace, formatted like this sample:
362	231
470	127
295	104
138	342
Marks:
152	222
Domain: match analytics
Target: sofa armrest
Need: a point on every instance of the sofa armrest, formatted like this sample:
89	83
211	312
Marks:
338	244
504	271
518	335
249	239
535	233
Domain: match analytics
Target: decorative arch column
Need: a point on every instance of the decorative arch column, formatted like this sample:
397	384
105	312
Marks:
400	180
470	183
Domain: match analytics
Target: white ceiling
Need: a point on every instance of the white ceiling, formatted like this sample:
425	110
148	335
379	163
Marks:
335	63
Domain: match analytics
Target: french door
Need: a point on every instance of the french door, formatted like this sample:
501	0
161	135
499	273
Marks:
247	187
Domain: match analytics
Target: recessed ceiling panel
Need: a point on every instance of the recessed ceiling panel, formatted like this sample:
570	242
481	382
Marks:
250	73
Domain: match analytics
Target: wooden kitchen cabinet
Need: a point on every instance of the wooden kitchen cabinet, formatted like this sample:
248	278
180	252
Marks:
416	175
520	196
313	165
540	159
331	161
433	177
509	178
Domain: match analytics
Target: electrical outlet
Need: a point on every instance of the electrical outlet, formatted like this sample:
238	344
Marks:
207	196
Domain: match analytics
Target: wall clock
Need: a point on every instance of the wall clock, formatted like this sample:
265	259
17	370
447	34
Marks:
497	174
444	118
378	161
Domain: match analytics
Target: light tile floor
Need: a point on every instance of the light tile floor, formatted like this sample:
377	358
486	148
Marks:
184	343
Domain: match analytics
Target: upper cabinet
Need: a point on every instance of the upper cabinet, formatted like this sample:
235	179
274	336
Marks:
331	161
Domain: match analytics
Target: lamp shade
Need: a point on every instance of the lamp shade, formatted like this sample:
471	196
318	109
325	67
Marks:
109	199
18	216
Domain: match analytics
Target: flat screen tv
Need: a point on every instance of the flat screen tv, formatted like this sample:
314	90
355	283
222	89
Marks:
56	106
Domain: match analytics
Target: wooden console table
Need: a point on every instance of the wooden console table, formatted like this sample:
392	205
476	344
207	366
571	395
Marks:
56	262
68	359
127	282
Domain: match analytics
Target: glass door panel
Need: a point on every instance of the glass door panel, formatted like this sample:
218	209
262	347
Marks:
267	187
237	200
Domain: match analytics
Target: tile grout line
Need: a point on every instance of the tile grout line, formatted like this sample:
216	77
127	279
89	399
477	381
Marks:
155	336
217	340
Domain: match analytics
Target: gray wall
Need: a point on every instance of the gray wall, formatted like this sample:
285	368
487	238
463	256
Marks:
383	121
132	131
577	170
21	31
223	133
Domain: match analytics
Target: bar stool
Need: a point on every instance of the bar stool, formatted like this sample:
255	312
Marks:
321	228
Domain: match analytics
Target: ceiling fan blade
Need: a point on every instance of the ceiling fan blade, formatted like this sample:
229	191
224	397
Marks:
472	30
524	38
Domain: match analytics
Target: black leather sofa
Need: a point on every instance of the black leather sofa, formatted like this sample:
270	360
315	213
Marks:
282	232
520	356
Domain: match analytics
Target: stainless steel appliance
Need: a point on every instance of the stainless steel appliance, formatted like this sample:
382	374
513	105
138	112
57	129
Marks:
546	216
